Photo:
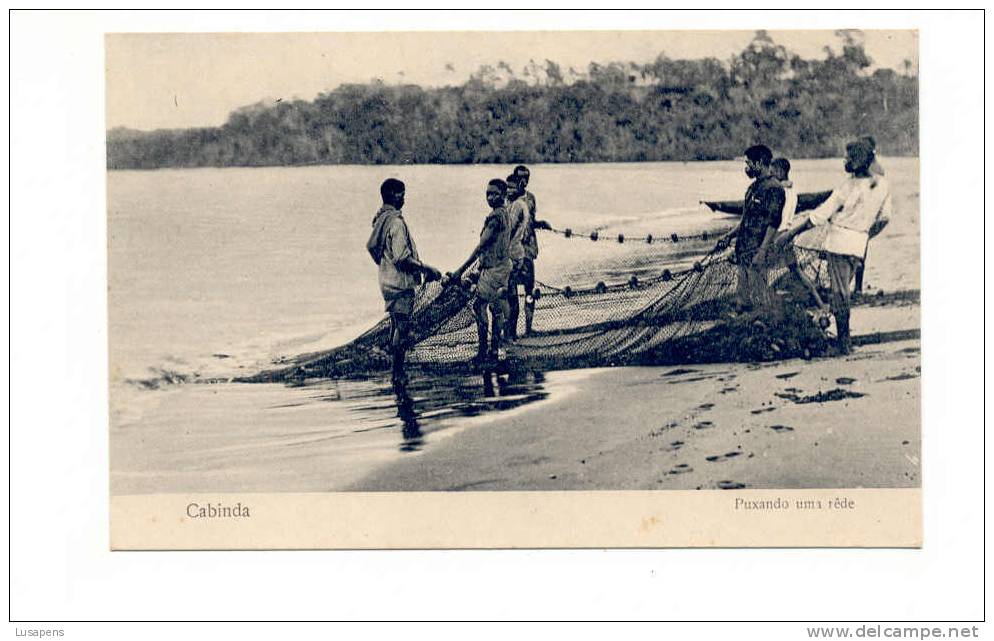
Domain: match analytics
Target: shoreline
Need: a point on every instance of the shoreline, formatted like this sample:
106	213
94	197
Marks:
915	155
320	437
644	427
768	425
720	426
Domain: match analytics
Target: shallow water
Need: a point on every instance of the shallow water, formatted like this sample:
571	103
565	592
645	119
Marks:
218	272
317	437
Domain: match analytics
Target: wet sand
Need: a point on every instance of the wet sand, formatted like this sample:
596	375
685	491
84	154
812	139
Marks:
831	422
834	422
318	437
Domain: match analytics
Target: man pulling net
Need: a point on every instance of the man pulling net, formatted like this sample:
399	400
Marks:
517	211
526	273
400	270
490	282
841	227
761	216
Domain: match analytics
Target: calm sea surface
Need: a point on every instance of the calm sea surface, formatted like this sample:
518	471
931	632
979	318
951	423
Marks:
214	272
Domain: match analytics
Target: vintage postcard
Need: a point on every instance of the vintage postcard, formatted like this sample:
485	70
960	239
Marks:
514	289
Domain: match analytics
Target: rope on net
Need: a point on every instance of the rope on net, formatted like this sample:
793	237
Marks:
621	238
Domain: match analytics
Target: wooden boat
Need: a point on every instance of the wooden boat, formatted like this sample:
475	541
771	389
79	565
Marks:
805	202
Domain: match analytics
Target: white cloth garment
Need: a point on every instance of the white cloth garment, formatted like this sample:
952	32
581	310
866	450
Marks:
789	207
842	223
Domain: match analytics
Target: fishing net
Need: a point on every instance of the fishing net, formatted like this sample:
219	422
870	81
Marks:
604	300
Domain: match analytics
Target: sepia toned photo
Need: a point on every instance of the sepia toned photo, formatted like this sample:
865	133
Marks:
514	289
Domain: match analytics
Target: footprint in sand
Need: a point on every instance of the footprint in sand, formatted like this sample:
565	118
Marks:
663	429
519	461
682	468
672	447
681	372
692	379
705	406
726	390
718	458
730	485
836	394
764	409
781	428
903	376
703	425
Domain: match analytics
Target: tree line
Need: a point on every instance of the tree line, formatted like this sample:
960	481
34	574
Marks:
704	109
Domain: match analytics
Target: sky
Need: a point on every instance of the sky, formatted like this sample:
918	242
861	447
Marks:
183	80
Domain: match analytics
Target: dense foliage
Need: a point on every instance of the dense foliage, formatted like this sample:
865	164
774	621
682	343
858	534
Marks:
664	110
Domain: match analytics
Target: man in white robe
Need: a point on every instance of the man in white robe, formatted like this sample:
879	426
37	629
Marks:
841	227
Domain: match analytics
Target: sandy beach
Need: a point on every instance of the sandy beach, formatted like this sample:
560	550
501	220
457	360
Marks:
844	422
828	422
831	422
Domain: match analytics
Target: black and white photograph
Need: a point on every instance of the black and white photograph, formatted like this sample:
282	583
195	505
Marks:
664	260
518	315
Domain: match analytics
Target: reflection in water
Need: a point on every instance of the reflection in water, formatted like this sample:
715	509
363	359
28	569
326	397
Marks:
488	384
427	402
406	412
